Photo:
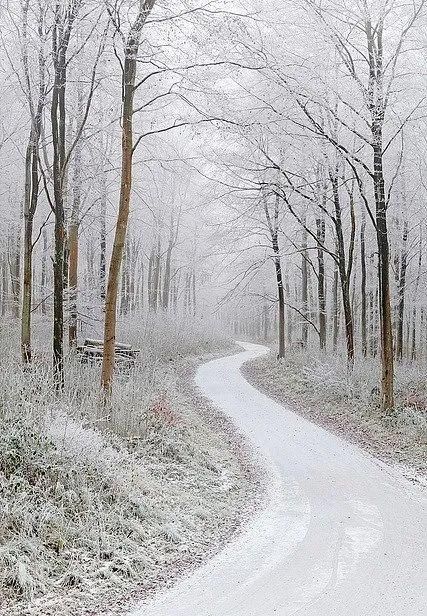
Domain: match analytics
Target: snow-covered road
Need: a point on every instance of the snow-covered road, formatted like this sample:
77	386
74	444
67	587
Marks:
341	535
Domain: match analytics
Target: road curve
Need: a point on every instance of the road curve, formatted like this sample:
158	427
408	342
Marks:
340	535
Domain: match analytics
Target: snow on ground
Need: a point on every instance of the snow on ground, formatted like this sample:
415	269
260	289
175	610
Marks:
342	534
321	389
89	520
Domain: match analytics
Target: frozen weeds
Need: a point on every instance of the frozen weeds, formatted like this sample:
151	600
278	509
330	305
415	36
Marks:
90	521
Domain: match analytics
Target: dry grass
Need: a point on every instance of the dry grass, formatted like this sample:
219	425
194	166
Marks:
93	519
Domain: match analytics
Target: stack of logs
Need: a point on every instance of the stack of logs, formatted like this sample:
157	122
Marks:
92	352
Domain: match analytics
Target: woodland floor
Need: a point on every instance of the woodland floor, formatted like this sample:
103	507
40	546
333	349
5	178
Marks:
94	521
320	389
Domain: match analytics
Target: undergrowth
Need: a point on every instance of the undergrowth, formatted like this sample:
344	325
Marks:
100	508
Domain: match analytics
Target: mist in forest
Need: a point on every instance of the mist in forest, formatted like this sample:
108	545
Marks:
176	180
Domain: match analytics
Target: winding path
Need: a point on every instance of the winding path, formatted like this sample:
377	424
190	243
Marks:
341	534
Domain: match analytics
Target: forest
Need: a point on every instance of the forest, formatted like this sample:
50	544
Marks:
178	181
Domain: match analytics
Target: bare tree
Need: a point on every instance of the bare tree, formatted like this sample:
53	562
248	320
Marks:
273	222
129	67
36	104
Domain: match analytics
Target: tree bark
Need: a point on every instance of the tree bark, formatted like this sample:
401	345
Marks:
58	169
320	227
27	260
377	106
363	286
103	238
73	234
15	274
30	205
129	75
273	226
335	308
156	280
344	273
402	291
386	333
304	290
64	20
44	272
124	298
5	284
129	80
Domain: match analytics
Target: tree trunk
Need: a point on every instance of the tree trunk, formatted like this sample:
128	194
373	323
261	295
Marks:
157	276
194	293
60	40
5	284
44	272
175	290
386	333
129	79
401	291
124	280
15	275
73	235
103	237
28	250
281	300
273	226
377	105
129	75
344	273
304	290
167	278
150	279
321	294
335	309
363	285
30	206
58	127
289	316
